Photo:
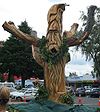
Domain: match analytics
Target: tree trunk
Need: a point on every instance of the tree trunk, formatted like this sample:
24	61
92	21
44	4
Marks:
10	77
55	79
23	81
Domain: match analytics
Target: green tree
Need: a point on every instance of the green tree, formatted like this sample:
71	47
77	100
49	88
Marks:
16	57
91	47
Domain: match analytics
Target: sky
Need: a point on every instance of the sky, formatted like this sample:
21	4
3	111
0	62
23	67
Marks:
35	13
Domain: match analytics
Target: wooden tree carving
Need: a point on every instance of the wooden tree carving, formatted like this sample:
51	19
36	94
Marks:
52	53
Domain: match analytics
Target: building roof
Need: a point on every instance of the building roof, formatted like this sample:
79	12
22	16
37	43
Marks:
81	78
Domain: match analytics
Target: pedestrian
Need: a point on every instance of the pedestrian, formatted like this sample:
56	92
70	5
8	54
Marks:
4	98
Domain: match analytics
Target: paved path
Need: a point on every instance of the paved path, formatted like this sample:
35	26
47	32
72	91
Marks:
87	101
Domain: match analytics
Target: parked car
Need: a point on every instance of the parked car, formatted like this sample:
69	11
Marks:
28	82
13	93
24	94
18	82
8	84
95	92
29	86
88	91
80	91
70	90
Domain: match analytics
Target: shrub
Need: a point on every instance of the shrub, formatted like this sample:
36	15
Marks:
42	93
66	99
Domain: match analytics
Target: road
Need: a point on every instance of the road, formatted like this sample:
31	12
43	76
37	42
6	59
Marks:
87	101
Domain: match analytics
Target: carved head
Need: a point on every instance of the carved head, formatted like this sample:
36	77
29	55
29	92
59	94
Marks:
54	30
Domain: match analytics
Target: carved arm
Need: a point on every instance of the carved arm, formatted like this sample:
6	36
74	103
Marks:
72	41
71	33
37	56
11	28
77	41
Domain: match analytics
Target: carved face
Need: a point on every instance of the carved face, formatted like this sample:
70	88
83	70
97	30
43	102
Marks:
54	42
54	30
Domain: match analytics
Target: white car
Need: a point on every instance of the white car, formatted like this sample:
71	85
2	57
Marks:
24	94
87	91
8	84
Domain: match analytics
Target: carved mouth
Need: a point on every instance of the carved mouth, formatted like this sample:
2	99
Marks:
53	51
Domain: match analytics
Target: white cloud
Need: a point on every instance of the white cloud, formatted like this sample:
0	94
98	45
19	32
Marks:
79	69
78	64
35	12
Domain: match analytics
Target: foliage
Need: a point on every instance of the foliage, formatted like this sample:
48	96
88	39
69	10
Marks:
91	46
42	93
67	99
48	56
